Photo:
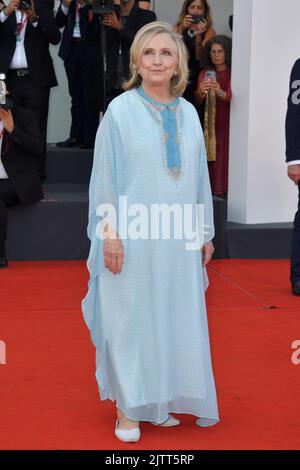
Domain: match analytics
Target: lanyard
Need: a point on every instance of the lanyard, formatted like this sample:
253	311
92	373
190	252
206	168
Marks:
20	27
77	18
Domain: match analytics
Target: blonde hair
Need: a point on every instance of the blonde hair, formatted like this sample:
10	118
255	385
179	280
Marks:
142	38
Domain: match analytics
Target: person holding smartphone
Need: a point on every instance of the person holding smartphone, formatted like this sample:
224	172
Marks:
27	29
214	91
195	26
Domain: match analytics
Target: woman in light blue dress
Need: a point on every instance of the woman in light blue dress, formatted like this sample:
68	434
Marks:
145	305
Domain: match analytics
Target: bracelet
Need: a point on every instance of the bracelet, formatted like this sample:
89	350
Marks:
221	94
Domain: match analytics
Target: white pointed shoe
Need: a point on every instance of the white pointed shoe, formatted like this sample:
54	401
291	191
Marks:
171	421
127	435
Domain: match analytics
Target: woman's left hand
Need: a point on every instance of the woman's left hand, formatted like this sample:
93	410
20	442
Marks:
207	253
215	86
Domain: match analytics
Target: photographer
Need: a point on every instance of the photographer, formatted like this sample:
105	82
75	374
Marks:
195	26
20	148
27	27
132	19
81	52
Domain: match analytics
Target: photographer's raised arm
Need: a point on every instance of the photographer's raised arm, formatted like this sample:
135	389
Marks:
85	9
27	137
61	17
45	23
128	33
62	13
6	11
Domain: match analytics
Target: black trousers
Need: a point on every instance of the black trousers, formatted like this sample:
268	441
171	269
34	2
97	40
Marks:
8	198
295	258
36	98
84	80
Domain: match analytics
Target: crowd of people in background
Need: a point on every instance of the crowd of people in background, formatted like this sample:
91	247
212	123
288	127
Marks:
29	27
209	88
83	55
25	36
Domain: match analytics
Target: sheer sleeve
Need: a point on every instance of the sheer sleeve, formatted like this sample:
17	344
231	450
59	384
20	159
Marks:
103	191
205	195
103	183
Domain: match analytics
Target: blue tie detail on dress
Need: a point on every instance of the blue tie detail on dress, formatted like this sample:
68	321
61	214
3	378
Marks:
168	113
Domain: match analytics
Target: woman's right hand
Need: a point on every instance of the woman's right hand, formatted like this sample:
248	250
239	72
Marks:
113	254
205	86
11	7
187	22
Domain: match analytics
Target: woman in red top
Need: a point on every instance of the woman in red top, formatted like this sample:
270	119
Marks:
214	88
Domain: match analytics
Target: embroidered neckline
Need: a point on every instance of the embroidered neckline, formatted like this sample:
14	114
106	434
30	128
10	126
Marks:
155	107
157	104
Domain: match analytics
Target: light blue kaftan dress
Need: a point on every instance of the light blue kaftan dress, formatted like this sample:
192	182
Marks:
149	323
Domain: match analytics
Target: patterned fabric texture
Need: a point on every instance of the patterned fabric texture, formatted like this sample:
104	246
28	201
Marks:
149	324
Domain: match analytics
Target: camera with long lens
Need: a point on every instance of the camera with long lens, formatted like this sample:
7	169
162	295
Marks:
25	5
102	7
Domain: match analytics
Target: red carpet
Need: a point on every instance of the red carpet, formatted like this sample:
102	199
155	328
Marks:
48	394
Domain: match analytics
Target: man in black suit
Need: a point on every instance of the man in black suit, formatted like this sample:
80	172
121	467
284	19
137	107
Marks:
20	147
81	52
132	19
293	160
25	36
